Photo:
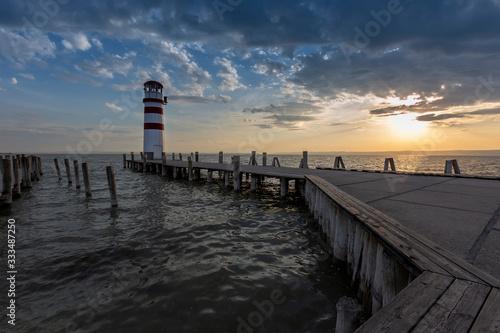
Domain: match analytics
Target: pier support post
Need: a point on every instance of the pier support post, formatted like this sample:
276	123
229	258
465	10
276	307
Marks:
236	172
164	165
144	162
389	162
197	172
253	186
58	169
264	159
209	176
226	178
86	179
124	161
173	156
190	168
77	174
284	187
175	172
7	185
348	315
112	186
132	158
68	171
221	160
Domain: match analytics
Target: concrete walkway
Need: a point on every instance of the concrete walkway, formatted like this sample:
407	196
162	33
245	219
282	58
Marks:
460	214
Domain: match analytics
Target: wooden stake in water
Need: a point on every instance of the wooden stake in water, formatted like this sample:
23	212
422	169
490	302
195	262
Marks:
124	161
17	180
77	174
112	186
28	172
86	179
58	169
68	170
7	188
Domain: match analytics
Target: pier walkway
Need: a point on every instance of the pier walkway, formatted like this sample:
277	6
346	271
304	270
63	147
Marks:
447	227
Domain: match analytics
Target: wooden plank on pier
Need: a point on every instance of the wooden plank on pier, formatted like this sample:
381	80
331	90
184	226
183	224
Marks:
409	306
488	319
456	310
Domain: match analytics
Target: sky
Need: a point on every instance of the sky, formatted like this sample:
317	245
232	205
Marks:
241	75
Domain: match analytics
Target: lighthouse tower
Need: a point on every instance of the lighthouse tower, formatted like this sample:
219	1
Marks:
153	120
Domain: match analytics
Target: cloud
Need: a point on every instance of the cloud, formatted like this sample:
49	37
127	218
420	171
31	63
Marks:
108	65
21	47
228	74
13	80
27	76
186	100
288	115
76	42
113	106
270	67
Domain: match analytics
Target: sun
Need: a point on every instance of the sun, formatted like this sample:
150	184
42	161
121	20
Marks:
405	126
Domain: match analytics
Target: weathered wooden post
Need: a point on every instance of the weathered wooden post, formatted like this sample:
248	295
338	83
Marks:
29	184
173	156
190	168
339	163
112	186
124	161
17	180
142	155
34	162
40	165
303	162
58	169
164	165
226	178
7	185
77	173
132	158
253	182
221	160
389	162
348	315
197	171
209	175
68	170
284	186
276	162
144	162
86	179
236	172
264	159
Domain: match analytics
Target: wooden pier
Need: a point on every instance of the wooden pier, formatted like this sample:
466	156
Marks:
406	281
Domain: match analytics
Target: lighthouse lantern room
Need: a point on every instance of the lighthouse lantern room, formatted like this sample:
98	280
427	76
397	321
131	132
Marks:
154	138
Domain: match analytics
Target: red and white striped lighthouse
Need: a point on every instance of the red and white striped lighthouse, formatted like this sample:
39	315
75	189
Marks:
153	120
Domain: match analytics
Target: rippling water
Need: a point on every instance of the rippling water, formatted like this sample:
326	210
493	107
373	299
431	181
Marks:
173	257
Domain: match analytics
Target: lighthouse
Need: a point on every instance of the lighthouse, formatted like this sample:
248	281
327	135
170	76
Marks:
153	120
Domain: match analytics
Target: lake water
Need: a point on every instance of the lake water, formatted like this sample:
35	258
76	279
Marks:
178	256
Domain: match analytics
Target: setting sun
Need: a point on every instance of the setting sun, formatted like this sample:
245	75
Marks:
405	126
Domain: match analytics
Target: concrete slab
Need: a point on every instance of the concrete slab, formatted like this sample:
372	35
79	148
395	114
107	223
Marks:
363	193
461	202
477	182
469	188
454	231
488	258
